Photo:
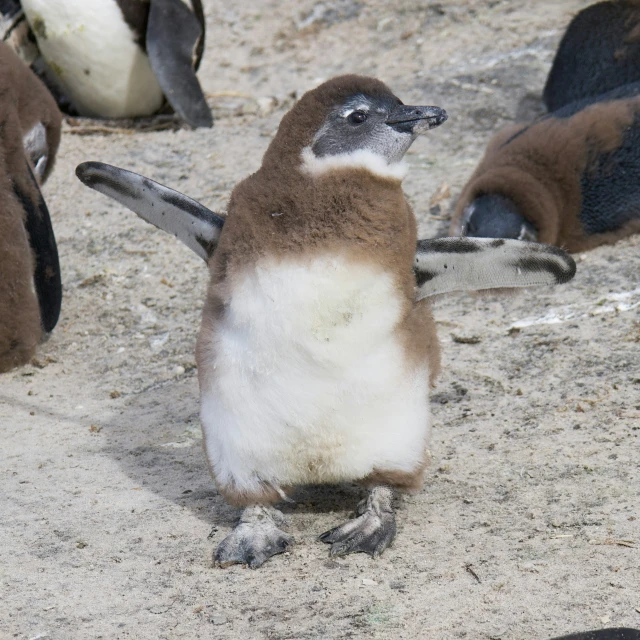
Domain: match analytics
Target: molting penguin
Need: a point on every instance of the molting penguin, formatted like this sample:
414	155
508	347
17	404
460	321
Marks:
599	51
121	58
571	178
29	138
317	345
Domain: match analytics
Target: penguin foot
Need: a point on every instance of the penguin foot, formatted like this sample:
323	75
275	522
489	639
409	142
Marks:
371	532
255	538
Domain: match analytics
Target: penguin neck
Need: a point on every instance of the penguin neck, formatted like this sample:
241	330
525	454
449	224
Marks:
286	210
366	159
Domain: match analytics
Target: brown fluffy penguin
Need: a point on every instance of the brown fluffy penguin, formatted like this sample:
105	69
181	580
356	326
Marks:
317	347
571	178
30	289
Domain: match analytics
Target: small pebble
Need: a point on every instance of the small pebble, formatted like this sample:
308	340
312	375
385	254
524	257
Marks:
266	105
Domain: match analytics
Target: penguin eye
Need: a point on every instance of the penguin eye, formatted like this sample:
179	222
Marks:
357	117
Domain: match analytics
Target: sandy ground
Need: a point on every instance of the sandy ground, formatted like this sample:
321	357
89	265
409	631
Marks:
108	517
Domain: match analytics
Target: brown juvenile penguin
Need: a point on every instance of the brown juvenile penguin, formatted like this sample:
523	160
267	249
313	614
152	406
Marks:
29	138
571	178
317	349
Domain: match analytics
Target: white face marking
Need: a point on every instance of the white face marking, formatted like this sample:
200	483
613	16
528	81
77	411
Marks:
309	381
360	107
360	159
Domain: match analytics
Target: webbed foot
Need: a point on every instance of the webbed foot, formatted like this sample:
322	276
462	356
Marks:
371	532
255	538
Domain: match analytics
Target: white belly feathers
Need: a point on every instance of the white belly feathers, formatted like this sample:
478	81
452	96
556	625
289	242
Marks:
94	57
310	381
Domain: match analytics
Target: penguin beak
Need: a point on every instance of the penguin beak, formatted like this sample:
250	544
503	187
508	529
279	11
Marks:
416	120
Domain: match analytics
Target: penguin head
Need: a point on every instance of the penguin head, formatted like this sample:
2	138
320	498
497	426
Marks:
350	118
495	216
379	123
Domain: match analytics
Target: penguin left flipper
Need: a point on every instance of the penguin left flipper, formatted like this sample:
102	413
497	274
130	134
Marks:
169	210
473	264
173	36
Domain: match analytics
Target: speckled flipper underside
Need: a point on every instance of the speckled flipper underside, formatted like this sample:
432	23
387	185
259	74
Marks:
473	264
169	210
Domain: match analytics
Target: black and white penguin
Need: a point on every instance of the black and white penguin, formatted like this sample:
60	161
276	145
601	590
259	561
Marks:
317	345
599	51
571	178
122	58
30	285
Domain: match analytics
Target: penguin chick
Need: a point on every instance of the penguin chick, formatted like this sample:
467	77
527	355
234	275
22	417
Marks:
317	346
599	51
570	178
29	138
122	58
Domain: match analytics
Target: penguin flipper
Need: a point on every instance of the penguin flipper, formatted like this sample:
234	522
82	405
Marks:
171	211
618	633
46	275
173	37
473	264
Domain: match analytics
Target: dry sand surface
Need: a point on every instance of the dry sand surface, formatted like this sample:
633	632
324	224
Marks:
527	526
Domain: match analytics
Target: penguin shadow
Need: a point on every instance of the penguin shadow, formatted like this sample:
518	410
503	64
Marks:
156	440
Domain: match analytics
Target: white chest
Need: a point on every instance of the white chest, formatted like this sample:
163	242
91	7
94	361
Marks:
92	53
310	381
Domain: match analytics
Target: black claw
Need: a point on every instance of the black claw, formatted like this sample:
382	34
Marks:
326	536
369	533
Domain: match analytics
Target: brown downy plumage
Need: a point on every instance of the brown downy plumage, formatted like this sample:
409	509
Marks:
29	138
572	176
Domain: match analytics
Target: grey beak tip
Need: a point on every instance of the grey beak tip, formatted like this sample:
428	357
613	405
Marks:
441	118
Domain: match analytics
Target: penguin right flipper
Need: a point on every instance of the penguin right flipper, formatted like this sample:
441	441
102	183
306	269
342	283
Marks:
619	633
169	210
46	275
174	36
474	264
